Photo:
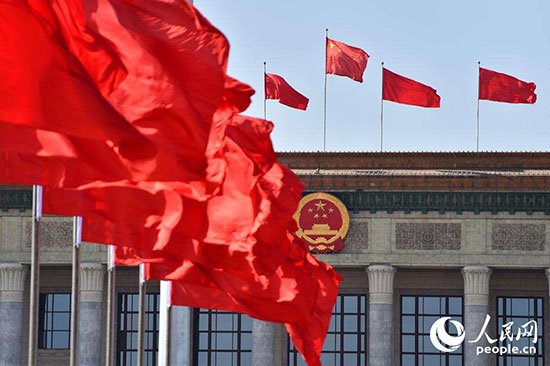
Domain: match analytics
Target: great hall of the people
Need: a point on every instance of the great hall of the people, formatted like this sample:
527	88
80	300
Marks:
417	237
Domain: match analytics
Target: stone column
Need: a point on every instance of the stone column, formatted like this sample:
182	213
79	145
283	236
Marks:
180	335
12	284
476	308
263	343
90	318
380	315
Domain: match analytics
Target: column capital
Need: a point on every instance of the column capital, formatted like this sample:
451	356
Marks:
380	283
91	282
12	282
476	285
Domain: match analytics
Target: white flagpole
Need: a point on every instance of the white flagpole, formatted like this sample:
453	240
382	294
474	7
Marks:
265	99
325	97
35	274
141	315
75	291
164	324
477	134
111	301
382	112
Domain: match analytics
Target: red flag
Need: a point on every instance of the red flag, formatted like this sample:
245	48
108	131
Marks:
399	89
500	87
157	66
345	60
277	88
45	87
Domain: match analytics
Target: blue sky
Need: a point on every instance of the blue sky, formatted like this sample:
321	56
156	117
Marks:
437	42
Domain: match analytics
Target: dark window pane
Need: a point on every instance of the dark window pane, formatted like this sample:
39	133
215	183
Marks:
350	323
60	340
407	324
455	305
432	305
350	304
62	302
407	305
61	321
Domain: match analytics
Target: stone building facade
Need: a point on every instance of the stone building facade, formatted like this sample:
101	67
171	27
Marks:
432	235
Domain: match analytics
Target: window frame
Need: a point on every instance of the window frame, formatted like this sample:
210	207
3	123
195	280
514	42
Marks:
210	351
541	330
42	315
124	355
417	334
361	350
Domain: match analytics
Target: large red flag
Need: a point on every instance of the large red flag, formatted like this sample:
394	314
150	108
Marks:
500	87
257	200
277	88
399	89
157	66
44	86
345	60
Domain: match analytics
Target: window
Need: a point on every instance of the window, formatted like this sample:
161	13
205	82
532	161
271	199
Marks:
418	313
346	341
128	318
54	321
223	338
521	310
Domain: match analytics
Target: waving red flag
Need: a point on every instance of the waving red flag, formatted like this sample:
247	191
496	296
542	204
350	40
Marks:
45	87
500	87
399	89
277	88
345	60
151	71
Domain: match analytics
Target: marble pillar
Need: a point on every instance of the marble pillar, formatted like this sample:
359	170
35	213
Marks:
263	343
180	335
90	318
476	308
12	283
380	315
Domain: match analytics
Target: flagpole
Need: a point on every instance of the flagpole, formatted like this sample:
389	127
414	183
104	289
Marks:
477	133
265	99
325	97
382	112
35	274
75	290
141	315
111	301
164	324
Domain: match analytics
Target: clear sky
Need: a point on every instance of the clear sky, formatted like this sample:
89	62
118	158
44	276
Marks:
436	42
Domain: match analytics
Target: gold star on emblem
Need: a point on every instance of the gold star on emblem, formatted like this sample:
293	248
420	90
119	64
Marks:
331	210
310	210
316	216
320	205
325	216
